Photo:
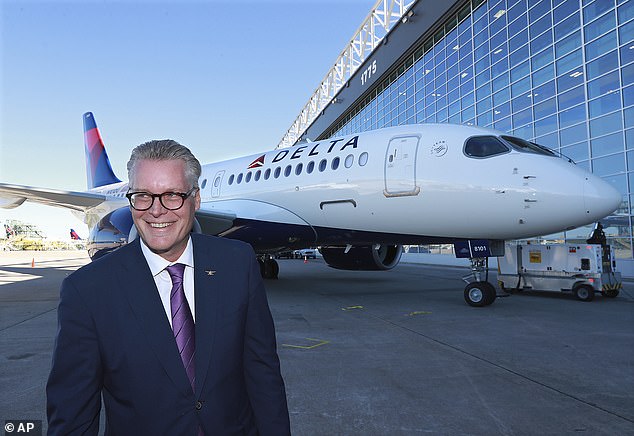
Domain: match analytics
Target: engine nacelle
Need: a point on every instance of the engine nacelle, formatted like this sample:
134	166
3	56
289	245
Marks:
110	233
363	257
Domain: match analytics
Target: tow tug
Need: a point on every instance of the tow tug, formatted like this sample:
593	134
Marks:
583	269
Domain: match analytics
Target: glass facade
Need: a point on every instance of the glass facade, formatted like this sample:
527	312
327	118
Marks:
556	72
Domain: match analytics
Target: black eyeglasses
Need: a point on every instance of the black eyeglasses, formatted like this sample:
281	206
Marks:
169	200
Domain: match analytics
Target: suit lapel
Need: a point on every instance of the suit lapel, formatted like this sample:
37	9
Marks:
143	297
208	286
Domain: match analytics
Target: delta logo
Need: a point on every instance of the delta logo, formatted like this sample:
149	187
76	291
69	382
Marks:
259	162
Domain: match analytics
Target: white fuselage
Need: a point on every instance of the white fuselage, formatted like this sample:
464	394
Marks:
412	184
409	180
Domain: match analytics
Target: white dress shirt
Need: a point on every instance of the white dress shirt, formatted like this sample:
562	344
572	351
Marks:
163	280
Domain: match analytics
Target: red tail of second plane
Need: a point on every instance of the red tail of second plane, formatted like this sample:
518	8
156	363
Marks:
74	236
98	169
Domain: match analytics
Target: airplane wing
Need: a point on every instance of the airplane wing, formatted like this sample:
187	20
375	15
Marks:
256	222
12	196
214	222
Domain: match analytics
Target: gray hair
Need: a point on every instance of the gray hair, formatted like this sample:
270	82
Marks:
166	149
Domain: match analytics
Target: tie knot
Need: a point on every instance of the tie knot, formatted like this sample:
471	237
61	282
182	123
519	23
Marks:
176	272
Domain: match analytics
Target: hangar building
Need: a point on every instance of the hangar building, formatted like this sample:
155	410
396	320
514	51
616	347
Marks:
556	72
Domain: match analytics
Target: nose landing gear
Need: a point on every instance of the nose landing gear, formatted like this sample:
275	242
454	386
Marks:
479	293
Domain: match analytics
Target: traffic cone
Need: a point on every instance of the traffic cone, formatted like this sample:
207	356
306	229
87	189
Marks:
33	263
305	259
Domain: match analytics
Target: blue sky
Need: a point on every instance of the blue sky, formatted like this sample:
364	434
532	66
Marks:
225	78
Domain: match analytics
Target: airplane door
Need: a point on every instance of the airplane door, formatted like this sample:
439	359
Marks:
215	187
400	167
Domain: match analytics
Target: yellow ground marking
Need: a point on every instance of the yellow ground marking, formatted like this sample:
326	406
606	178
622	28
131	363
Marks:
418	313
308	347
352	307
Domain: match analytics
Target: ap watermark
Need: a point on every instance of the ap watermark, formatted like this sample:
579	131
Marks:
23	426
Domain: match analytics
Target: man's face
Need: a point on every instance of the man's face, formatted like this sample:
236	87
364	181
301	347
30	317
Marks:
164	231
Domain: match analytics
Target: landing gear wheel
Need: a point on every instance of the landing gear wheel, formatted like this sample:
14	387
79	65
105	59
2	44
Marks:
611	293
490	293
271	269
479	294
584	292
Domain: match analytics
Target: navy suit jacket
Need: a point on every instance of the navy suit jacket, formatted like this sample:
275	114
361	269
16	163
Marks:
114	339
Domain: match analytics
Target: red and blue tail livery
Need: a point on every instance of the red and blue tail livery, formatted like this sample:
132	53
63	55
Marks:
98	169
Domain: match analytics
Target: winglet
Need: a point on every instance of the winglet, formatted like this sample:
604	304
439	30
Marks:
98	169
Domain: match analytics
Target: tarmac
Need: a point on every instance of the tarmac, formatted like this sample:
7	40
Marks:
386	353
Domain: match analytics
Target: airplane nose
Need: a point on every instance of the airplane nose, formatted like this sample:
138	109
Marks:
600	198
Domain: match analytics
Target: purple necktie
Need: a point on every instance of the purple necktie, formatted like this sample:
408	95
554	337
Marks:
182	321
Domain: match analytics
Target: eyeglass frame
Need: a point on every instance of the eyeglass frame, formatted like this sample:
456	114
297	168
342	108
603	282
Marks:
183	195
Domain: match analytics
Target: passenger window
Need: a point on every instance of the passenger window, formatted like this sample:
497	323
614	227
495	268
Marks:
248	177
277	172
239	180
231	179
267	173
298	169
310	167
216	182
322	165
484	146
363	159
258	173
335	163
349	161
287	171
203	184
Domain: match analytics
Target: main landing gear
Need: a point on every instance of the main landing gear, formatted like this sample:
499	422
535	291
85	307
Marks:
268	267
478	292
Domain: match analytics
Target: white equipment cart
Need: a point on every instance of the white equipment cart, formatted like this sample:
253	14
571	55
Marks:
582	269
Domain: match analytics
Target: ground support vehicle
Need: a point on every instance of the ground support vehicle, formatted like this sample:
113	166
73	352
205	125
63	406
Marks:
306	253
583	269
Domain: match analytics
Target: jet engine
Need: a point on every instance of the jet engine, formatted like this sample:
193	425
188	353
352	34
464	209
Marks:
362	257
110	233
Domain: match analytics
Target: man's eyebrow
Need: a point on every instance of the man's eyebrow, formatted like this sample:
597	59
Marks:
163	192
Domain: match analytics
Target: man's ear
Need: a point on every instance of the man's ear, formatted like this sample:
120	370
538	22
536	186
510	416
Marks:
197	199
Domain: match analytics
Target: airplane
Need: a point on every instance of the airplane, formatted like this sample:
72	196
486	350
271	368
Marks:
361	196
74	236
8	231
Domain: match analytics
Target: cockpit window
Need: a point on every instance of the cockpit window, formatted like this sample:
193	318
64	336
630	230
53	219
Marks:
484	146
526	146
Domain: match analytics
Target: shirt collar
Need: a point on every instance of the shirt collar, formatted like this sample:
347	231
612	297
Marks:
157	264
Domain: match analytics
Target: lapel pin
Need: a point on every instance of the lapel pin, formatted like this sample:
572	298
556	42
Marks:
210	272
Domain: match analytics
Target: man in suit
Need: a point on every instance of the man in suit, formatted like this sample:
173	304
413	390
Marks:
173	329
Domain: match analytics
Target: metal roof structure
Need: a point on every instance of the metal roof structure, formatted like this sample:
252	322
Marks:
382	18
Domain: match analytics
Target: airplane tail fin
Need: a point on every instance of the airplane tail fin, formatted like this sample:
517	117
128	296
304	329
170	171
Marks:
74	236
98	169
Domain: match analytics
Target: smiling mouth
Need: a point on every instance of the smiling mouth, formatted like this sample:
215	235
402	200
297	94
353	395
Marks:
159	225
